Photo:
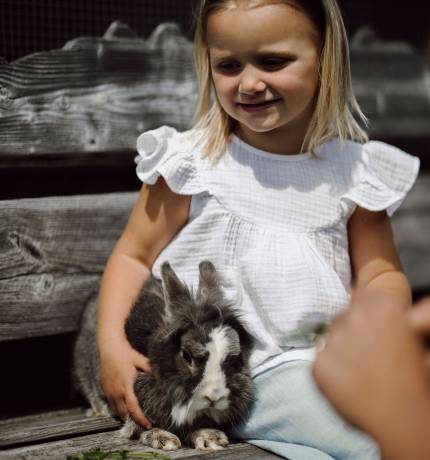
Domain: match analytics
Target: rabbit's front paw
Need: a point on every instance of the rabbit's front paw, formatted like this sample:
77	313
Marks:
209	439
160	439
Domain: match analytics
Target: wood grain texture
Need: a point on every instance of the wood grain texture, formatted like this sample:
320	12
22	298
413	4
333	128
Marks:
50	425
411	225
97	94
42	305
73	234
58	450
390	80
53	251
54	435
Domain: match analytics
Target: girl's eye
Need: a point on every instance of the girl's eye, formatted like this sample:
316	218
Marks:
186	356
273	63
228	67
233	362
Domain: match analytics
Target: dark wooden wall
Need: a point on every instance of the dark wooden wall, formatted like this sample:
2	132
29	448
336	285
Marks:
35	25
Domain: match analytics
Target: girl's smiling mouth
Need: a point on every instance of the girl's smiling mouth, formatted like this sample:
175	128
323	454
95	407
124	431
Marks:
259	106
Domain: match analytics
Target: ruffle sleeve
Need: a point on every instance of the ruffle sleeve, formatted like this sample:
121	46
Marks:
166	152
385	176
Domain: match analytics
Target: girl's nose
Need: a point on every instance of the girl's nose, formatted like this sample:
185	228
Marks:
251	83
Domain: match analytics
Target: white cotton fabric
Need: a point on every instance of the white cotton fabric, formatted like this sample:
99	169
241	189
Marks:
274	226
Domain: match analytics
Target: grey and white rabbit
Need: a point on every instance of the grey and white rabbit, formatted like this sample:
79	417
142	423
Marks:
199	352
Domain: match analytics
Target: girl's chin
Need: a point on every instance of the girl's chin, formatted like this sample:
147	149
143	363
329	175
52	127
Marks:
265	127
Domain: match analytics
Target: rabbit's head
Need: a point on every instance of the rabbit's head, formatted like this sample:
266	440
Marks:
203	350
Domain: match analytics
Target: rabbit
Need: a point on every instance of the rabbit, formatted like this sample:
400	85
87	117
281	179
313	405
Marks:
201	385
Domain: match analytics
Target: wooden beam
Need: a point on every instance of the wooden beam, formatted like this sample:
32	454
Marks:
96	94
53	251
54	435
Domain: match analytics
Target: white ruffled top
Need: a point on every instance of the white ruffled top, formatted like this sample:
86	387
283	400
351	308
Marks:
275	226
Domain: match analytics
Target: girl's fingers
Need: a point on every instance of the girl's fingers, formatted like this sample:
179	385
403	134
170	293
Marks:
122	409
141	362
118	407
136	412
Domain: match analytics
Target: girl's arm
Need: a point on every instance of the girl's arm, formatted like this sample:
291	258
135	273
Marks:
376	267
156	217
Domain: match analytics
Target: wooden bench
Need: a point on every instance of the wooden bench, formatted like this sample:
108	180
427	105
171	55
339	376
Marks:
68	125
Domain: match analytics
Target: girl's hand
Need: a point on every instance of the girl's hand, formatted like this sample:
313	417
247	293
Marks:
119	363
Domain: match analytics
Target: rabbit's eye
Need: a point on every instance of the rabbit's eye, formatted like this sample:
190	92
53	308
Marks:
233	361
186	356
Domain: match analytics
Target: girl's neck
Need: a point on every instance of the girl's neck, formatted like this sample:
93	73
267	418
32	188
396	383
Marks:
274	141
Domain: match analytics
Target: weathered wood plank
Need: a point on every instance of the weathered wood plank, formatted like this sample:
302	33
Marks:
52	425
111	441
10	162
45	304
411	225
390	81
73	234
53	251
96	94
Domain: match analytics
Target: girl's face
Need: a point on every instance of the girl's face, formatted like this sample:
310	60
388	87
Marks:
265	62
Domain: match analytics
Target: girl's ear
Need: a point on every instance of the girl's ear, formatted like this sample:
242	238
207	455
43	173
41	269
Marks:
175	292
209	283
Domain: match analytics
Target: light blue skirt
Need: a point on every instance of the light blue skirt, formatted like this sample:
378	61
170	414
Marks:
292	419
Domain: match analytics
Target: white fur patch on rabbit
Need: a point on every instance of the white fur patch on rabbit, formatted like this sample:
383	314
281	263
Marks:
211	394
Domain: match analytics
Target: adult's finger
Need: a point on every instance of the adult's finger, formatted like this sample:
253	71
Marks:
419	316
425	301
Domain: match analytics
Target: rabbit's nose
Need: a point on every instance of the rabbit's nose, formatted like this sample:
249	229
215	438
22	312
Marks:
211	401
215	396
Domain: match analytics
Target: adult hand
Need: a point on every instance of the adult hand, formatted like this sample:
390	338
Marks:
372	368
419	318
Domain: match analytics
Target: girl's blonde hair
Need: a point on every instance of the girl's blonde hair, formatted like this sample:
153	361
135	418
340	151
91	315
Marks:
335	101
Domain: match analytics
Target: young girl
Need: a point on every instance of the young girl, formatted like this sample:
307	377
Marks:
279	188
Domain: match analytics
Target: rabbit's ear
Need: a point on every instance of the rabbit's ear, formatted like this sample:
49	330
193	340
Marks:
209	283
174	290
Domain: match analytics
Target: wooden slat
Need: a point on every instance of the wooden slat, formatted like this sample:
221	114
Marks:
53	251
73	234
390	83
51	425
96	94
73	422
411	225
59	450
52	254
45	304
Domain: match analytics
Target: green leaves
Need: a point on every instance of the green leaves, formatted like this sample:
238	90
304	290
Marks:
117	454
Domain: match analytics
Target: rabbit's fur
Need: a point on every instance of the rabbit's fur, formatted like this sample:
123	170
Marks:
199	353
